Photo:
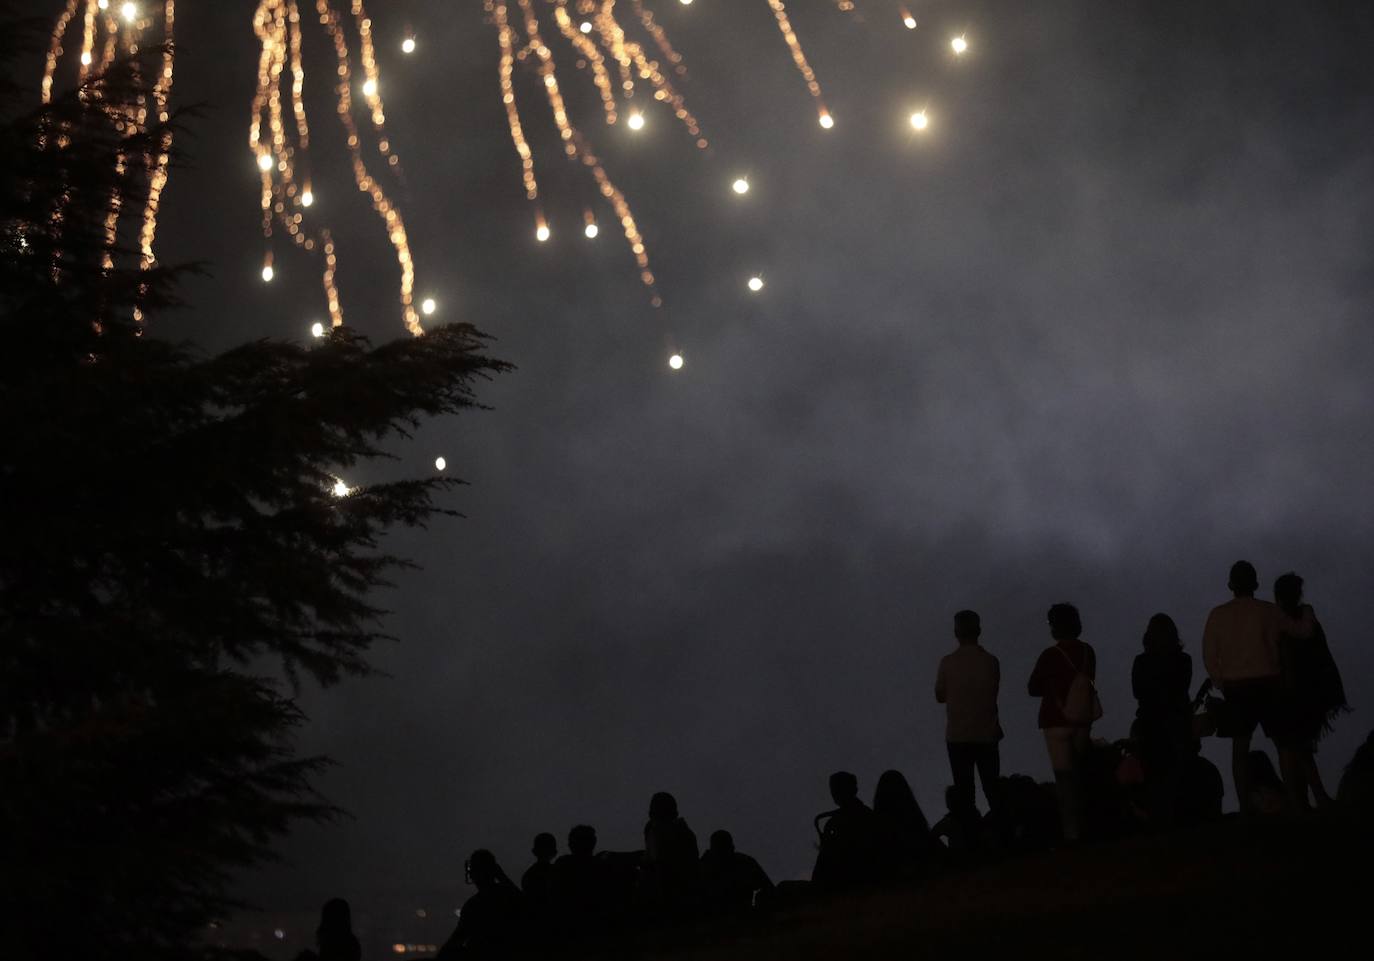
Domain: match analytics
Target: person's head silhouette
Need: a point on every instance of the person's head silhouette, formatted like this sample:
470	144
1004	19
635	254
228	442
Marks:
663	807
1288	591
335	933
582	840
1065	624
482	869
722	843
1161	634
545	847
1243	581
968	627
894	796
844	787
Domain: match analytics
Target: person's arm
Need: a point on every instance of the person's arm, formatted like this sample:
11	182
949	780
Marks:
1211	647
1137	676
996	678
940	683
1038	686
1187	675
1090	668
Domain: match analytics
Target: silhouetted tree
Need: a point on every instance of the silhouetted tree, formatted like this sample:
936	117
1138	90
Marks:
174	562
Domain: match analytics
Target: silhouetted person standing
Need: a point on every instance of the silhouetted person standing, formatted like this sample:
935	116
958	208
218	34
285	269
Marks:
1311	696
905	847
490	923
334	938
731	881
1162	681
849	853
537	885
967	684
1058	680
671	855
1240	649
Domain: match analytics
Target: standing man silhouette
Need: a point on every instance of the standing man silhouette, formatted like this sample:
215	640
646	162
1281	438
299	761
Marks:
967	684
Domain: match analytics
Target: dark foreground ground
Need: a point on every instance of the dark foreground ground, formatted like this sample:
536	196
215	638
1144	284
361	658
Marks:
1237	890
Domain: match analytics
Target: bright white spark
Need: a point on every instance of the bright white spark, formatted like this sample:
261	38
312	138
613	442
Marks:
591	231
909	21
740	186
130	12
307	198
586	27
408	45
675	362
369	88
826	120
636	121
85	58
542	233
959	45
440	463
317	329
428	306
756	284
919	120
341	489
268	273
103	4
264	162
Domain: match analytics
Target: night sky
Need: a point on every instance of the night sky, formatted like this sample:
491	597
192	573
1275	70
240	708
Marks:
1103	329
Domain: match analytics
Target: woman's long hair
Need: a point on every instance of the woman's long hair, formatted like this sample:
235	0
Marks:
1161	635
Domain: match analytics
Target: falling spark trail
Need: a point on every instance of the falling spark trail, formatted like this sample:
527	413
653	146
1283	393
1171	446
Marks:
799	58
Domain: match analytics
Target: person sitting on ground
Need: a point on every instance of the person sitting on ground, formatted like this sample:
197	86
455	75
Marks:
967	684
1356	790
1161	679
849	854
1240	649
732	883
578	885
1311	694
1054	680
1200	792
904	841
957	830
1028	814
537	880
671	858
334	938
490	924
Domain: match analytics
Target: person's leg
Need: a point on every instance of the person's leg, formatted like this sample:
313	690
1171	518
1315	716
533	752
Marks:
989	761
1314	780
1294	774
1059	744
1240	772
961	762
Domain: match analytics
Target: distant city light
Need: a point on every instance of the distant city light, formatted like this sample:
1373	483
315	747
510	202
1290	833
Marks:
756	284
675	362
317	329
741	186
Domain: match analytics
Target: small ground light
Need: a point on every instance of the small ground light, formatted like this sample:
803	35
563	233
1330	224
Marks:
317	329
740	186
756	284
268	273
959	45
636	121
919	120
428	306
408	45
675	362
439	464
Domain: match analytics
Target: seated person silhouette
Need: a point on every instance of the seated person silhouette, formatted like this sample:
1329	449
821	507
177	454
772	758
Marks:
579	885
1356	789
732	883
848	854
334	938
490	924
671	869
904	843
959	828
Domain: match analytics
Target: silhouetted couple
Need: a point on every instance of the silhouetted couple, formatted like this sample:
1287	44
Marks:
860	845
1275	671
